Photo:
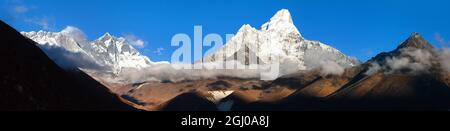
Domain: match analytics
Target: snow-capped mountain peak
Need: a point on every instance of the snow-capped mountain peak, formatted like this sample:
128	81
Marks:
279	38
281	22
55	39
245	27
114	53
107	40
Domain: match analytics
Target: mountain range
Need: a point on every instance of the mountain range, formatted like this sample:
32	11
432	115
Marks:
279	40
32	81
49	71
105	54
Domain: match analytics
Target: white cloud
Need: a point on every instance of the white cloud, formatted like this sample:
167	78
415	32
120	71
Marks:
158	51
401	63
69	59
444	53
374	68
43	22
367	52
75	33
444	59
170	72
135	41
441	40
415	60
327	63
20	9
330	68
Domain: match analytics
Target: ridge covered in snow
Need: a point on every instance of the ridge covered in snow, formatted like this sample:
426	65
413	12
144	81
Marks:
108	53
278	40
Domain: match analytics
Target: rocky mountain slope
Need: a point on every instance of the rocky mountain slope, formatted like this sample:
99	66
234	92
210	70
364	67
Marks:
278	41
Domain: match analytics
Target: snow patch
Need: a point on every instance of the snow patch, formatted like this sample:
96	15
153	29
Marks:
216	96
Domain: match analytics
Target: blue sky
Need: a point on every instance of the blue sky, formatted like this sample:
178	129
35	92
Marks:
359	28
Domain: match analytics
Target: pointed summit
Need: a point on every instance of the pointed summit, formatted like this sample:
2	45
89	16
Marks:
282	15
281	22
415	41
30	80
107	34
246	28
108	51
105	37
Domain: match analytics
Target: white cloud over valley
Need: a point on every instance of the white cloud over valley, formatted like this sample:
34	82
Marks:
135	41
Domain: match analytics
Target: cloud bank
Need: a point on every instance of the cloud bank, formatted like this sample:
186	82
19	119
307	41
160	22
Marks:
325	62
171	72
413	61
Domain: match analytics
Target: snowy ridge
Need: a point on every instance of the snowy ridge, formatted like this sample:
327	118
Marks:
115	60
281	22
59	39
217	96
